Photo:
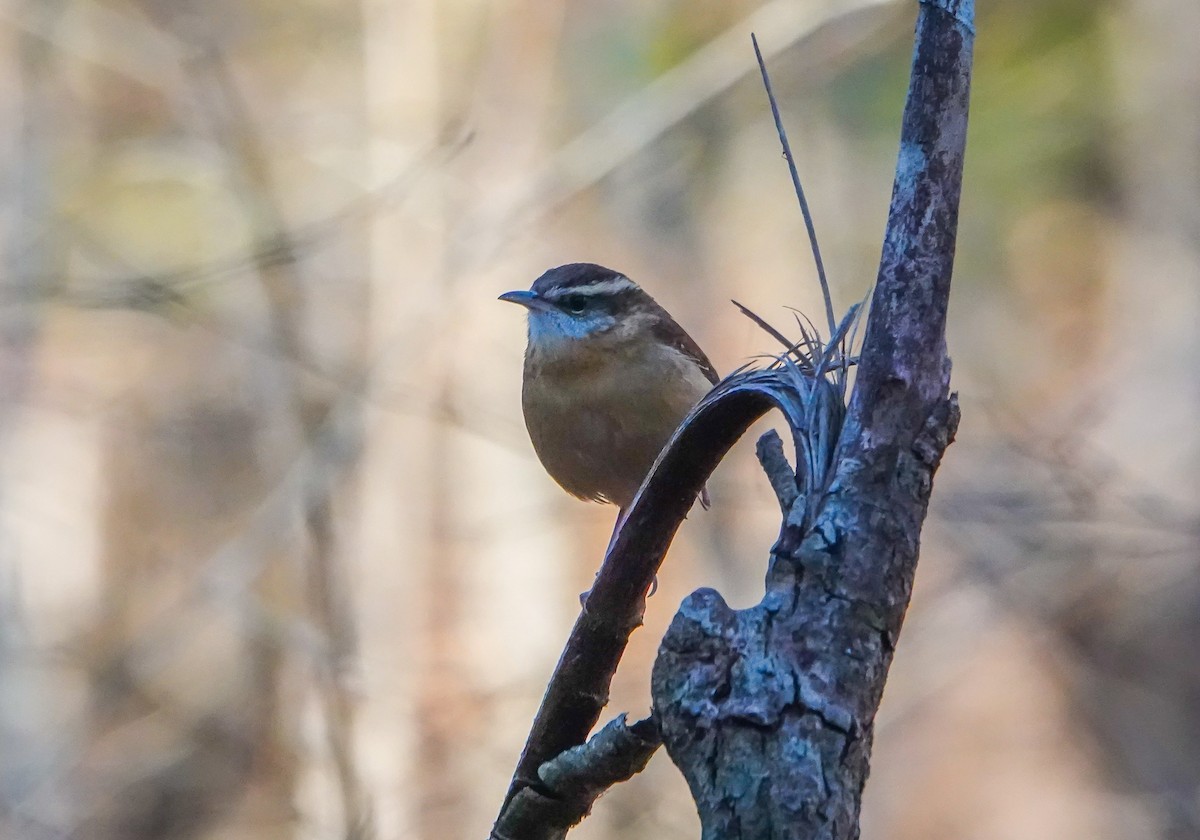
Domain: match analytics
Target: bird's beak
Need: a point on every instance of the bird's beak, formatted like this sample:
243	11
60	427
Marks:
530	300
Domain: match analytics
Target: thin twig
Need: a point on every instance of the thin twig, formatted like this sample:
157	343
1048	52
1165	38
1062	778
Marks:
769	450
787	153
572	781
791	348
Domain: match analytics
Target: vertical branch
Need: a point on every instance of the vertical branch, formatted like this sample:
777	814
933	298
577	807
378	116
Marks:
769	712
906	333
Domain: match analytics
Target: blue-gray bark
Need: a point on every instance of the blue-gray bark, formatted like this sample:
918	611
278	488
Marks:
769	711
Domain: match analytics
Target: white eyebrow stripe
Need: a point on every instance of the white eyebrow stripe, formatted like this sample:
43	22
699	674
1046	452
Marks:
600	287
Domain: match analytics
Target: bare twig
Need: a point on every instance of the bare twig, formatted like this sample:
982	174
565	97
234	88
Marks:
572	781
779	472
791	162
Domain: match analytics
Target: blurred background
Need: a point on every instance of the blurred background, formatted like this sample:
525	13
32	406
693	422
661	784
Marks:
276	557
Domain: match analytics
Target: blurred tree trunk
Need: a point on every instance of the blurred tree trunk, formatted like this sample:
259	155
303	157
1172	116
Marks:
187	727
197	655
1138	686
29	255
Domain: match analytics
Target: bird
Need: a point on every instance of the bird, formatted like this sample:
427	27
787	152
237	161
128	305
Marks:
608	376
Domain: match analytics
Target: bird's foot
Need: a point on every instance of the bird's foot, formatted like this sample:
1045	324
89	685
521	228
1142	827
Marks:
583	596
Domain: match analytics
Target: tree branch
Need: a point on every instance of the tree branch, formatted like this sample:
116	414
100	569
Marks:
573	781
578	689
769	712
769	450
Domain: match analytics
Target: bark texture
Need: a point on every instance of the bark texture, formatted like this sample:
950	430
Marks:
769	711
571	782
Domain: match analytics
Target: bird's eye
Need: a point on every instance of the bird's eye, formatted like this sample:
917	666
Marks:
575	304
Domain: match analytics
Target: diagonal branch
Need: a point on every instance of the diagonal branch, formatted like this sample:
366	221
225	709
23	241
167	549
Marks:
578	689
572	781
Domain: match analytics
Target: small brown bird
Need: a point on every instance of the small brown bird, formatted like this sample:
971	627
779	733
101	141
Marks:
609	375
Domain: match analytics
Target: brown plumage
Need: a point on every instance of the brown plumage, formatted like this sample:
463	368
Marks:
608	377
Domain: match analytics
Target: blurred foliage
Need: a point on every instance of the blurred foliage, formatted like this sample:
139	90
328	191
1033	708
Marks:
1043	106
275	557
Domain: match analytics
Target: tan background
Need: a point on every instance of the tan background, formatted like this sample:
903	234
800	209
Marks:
276	559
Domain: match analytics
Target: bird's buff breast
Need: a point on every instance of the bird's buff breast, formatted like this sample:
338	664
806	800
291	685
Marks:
598	421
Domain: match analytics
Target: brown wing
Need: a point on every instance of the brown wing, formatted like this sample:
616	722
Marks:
668	332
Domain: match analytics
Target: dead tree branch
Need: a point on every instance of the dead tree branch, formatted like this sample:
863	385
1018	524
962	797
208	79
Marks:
578	689
769	711
571	782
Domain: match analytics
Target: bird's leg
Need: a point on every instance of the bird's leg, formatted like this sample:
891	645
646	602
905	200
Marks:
616	530
612	540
